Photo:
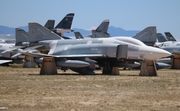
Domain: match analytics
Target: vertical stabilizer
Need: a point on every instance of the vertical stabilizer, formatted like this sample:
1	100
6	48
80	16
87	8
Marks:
21	36
161	38
66	22
101	30
64	25
78	35
37	33
103	27
148	35
169	36
50	24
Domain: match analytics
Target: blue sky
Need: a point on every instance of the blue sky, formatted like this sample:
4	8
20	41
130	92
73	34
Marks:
127	14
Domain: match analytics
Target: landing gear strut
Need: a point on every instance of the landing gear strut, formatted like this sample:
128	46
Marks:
109	69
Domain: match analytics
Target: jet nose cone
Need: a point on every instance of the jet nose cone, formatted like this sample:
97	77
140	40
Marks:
156	53
162	53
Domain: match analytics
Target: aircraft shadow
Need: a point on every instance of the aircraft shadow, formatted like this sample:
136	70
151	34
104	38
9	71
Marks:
73	74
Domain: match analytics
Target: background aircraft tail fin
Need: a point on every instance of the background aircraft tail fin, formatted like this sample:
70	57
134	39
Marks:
160	37
66	22
50	24
103	27
78	35
101	30
169	36
21	36
148	35
64	25
37	33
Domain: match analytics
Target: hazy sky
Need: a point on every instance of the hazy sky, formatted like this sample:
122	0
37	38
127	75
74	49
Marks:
127	14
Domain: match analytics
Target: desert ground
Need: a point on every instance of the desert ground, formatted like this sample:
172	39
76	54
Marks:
23	89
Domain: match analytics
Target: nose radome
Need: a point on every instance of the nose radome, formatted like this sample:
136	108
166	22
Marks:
163	53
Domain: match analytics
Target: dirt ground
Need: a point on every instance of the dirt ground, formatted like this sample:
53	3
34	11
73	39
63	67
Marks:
26	90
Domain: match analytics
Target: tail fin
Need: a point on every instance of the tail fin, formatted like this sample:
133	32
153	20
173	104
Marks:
148	35
66	22
103	27
101	30
50	24
78	35
160	37
169	36
64	25
37	33
21	36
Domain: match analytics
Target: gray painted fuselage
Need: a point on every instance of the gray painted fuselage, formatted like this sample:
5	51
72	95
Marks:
104	46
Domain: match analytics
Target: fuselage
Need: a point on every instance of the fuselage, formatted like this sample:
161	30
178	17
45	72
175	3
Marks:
106	46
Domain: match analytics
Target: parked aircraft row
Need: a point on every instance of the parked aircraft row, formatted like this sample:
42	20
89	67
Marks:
82	53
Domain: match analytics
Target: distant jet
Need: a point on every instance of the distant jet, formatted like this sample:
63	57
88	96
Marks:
170	45
107	52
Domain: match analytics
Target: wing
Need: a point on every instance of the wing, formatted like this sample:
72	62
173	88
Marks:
26	50
13	48
62	56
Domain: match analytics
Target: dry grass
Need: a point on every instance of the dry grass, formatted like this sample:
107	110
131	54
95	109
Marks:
24	89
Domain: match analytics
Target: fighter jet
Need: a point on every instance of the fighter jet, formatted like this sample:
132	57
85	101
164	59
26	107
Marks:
170	44
159	64
107	52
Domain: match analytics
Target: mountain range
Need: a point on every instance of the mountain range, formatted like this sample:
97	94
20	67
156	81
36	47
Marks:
113	31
